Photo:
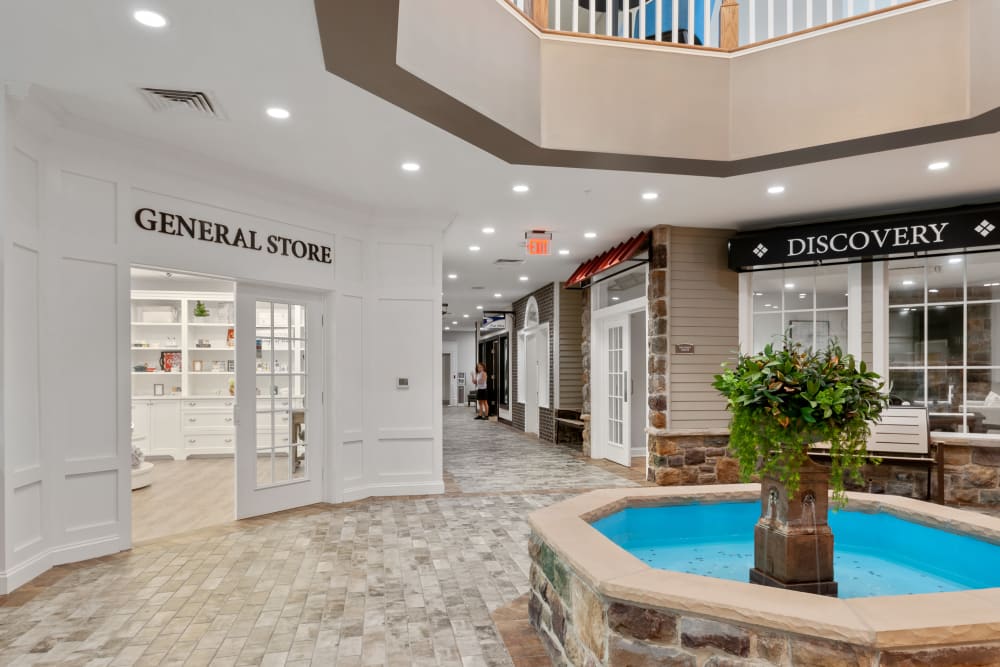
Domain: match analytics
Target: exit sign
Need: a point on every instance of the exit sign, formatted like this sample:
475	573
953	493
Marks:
538	246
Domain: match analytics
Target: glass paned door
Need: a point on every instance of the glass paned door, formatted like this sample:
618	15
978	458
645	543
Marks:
616	377
279	400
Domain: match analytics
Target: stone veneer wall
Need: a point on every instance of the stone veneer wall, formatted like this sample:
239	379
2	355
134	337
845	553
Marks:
971	473
582	627
585	379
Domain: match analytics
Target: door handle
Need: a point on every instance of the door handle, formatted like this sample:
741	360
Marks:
625	386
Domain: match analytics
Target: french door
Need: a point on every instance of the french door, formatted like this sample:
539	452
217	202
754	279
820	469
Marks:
617	421
279	396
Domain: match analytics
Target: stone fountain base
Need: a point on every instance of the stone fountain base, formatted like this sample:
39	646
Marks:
793	543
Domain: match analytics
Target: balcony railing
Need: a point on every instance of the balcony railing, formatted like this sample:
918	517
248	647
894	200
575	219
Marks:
720	24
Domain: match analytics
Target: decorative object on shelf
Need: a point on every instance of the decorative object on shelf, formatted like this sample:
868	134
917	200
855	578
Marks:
157	390
230	365
139	368
203	342
140	343
171	341
232	386
196	365
175	391
230	337
170	362
200	310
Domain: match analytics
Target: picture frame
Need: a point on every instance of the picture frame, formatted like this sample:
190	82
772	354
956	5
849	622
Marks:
157	390
196	365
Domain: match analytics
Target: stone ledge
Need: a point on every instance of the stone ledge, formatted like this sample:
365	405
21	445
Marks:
964	440
682	432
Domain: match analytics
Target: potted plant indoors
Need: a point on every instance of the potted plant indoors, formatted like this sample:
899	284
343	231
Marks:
200	310
788	398
784	401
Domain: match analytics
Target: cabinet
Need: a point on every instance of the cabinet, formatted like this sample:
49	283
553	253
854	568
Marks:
158	422
183	355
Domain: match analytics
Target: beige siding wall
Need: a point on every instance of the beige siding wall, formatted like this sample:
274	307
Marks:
570	350
704	312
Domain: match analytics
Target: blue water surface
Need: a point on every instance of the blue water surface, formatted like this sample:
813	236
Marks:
874	554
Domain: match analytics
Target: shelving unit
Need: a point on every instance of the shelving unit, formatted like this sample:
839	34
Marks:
194	413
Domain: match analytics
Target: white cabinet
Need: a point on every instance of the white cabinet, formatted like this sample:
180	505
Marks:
208	426
159	422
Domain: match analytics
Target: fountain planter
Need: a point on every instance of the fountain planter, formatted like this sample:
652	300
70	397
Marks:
793	543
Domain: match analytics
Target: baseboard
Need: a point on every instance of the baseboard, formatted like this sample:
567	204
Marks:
388	490
22	573
87	549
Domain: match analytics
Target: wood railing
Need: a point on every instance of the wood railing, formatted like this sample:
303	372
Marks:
726	25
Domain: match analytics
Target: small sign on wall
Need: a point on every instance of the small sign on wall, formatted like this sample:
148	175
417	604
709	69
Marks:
683	348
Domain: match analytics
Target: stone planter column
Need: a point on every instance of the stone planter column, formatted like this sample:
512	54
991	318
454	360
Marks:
658	349
793	543
585	379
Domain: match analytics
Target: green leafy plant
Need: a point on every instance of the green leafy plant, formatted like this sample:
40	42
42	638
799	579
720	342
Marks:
200	310
787	398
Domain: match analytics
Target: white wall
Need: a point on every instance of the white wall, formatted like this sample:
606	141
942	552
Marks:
66	253
463	360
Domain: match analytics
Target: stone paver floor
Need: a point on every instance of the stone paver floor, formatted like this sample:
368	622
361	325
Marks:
388	581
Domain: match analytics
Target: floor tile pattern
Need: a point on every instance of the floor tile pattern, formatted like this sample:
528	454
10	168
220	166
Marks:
389	581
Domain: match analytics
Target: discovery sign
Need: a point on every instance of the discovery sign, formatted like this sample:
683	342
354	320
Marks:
174	224
867	238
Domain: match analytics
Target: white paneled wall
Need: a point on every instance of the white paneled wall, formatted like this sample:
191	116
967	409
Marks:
67	240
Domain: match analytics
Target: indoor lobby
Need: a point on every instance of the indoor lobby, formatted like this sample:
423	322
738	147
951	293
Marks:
373	332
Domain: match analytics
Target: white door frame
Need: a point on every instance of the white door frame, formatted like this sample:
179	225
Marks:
529	340
599	321
297	492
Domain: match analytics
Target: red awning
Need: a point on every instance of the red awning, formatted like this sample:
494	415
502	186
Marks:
620	253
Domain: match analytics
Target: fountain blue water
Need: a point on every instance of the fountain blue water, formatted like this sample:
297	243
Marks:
875	554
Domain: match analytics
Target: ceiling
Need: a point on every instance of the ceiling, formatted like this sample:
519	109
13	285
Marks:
346	146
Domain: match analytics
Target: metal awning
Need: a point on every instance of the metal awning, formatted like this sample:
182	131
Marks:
620	253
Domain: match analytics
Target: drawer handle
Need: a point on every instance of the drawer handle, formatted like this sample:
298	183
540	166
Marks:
192	404
192	441
229	402
192	419
228	440
229	419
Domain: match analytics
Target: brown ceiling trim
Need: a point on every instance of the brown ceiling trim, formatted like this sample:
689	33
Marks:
359	46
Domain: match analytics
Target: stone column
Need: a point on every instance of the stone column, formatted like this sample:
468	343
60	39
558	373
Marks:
585	378
658	297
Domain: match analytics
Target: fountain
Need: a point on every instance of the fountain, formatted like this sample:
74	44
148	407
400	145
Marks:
626	576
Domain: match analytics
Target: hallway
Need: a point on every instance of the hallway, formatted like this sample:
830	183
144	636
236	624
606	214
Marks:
386	581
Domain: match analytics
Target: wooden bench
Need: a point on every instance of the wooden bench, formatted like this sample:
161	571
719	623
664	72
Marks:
902	435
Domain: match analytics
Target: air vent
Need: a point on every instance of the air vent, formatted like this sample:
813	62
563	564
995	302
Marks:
190	101
477	287
509	262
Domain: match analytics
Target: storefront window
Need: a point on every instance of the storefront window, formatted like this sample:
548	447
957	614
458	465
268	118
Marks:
808	304
943	353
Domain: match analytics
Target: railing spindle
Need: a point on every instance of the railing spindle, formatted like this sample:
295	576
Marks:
609	10
625	25
659	20
675	18
809	13
575	21
558	19
706	19
642	20
770	19
690	23
871	5
850	7
593	18
789	19
752	23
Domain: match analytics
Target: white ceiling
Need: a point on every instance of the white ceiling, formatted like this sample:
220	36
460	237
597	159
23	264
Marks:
347	145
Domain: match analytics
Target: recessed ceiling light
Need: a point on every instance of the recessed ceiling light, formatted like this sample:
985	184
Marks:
938	166
933	290
497	295
465	314
479	307
954	260
590	235
650	196
488	230
776	189
278	113
447	328
564	251
758	294
523	278
474	248
802	295
410	166
615	298
520	188
452	276
767	305
454	323
149	18
789	285
908	282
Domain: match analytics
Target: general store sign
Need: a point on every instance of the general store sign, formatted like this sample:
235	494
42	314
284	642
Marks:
867	238
175	224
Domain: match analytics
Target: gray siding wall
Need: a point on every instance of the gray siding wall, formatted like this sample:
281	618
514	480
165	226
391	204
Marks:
570	372
703	311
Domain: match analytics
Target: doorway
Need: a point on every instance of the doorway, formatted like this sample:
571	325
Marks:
182	378
620	395
446	379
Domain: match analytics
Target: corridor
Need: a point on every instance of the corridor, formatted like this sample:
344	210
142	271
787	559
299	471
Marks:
383	581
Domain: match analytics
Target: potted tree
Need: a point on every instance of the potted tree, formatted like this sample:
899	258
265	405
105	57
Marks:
784	401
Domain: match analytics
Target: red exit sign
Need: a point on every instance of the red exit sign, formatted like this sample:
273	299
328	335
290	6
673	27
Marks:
537	246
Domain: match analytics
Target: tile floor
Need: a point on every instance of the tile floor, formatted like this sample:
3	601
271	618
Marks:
404	581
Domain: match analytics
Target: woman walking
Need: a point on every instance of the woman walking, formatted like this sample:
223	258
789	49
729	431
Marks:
482	399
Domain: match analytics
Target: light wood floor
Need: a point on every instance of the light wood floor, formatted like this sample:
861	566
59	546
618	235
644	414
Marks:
184	495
